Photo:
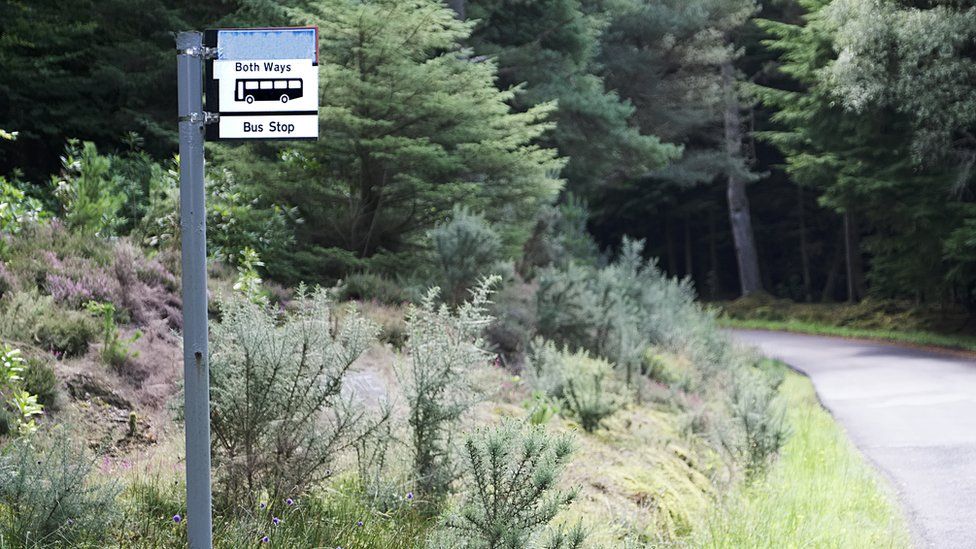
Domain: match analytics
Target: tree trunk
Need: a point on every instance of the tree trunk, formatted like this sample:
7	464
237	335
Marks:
804	251
852	253
835	265
739	217
458	6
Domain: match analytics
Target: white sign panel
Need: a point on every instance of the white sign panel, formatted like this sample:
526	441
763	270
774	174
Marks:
264	83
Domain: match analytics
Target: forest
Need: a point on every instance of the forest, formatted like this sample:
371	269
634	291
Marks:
485	307
778	146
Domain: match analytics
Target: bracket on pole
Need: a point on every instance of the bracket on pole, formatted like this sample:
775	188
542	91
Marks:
203	52
201	117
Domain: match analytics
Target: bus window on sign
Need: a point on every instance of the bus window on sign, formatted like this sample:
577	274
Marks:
267	89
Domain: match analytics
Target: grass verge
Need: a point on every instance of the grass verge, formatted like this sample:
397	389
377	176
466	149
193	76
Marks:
819	493
921	338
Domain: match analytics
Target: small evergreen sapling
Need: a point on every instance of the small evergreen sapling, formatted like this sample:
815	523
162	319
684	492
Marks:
512	495
115	350
759	416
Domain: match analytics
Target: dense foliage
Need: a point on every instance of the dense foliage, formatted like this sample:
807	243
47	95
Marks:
856	134
551	150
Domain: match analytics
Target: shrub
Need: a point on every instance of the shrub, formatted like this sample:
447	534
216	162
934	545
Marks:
115	350
760	417
21	313
595	310
67	333
17	210
442	349
511	490
369	287
145	290
40	380
23	406
393	326
8	282
560	237
586	387
49	494
465	249
514	324
87	191
617	311
279	419
248	282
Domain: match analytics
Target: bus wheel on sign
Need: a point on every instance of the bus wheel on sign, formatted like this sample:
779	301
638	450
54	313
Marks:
284	98
249	99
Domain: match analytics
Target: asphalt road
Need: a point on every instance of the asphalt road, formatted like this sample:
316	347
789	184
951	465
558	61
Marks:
912	412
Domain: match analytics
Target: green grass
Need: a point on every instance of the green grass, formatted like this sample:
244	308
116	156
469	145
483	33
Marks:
819	493
923	338
334	516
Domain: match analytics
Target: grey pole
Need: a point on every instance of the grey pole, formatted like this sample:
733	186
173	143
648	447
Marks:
193	226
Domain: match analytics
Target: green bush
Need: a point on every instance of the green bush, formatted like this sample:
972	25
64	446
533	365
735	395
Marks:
40	380
514	324
617	311
67	333
22	312
560	237
115	350
17	210
511	493
759	415
278	416
442	349
48	487
371	287
87	190
465	249
586	387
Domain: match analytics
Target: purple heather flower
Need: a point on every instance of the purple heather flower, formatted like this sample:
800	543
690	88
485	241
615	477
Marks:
70	522
276	521
409	496
263	505
177	519
289	501
265	539
360	523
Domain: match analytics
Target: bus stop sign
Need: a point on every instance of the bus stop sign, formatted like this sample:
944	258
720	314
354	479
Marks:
263	83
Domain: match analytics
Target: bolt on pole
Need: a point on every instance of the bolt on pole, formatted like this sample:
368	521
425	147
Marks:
193	228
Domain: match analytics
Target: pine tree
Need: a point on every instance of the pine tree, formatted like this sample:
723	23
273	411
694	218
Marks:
411	125
550	46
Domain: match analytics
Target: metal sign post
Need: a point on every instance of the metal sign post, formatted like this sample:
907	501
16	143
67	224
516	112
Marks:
193	228
265	81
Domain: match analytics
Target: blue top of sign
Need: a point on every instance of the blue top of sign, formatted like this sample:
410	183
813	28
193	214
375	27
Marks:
280	43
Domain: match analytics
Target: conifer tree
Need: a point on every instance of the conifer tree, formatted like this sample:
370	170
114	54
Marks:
860	162
410	127
551	47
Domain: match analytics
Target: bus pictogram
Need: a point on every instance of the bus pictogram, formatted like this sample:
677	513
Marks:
250	90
